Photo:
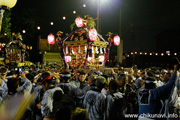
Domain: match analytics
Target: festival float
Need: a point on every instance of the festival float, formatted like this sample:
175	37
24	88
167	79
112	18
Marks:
15	52
85	47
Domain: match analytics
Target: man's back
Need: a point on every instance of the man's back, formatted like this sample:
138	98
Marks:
94	103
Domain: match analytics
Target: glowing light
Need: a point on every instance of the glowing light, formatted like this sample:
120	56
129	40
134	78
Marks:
92	34
135	52
74	12
5	34
64	17
168	54
51	39
127	55
140	53
175	53
8	3
162	54
156	54
68	58
79	22
84	5
150	53
38	27
116	40
145	53
24	31
51	23
89	58
131	53
101	58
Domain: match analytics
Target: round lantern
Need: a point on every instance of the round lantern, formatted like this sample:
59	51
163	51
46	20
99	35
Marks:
92	34
116	40
79	22
51	39
101	58
68	59
8	3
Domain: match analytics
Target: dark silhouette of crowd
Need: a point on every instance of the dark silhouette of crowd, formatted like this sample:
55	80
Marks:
109	94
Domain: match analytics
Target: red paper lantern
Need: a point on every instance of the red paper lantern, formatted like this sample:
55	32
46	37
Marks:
101	58
79	22
51	39
116	40
68	59
92	34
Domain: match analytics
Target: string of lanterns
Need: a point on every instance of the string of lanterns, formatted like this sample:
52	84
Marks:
152	53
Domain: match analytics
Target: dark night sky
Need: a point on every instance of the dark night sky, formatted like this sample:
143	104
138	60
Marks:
146	18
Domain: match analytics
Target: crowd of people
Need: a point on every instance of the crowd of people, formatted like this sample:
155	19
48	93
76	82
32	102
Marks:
111	94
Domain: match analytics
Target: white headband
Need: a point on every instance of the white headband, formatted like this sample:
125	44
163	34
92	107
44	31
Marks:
66	75
148	81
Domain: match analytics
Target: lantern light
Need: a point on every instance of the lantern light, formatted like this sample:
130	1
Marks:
127	55
79	22
175	53
150	53
145	53
51	39
92	34
162	54
24	31
116	40
131	53
156	54
5	34
64	17
51	23
74	12
68	58
8	3
84	5
135	52
38	27
168	54
140	53
101	58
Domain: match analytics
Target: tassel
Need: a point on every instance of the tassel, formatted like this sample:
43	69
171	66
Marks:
79	51
104	50
97	51
92	49
101	50
85	48
66	49
72	51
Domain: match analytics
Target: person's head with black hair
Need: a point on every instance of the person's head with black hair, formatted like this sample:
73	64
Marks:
100	82
66	76
113	86
82	76
150	83
167	76
3	72
13	85
30	77
91	80
122	79
46	81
